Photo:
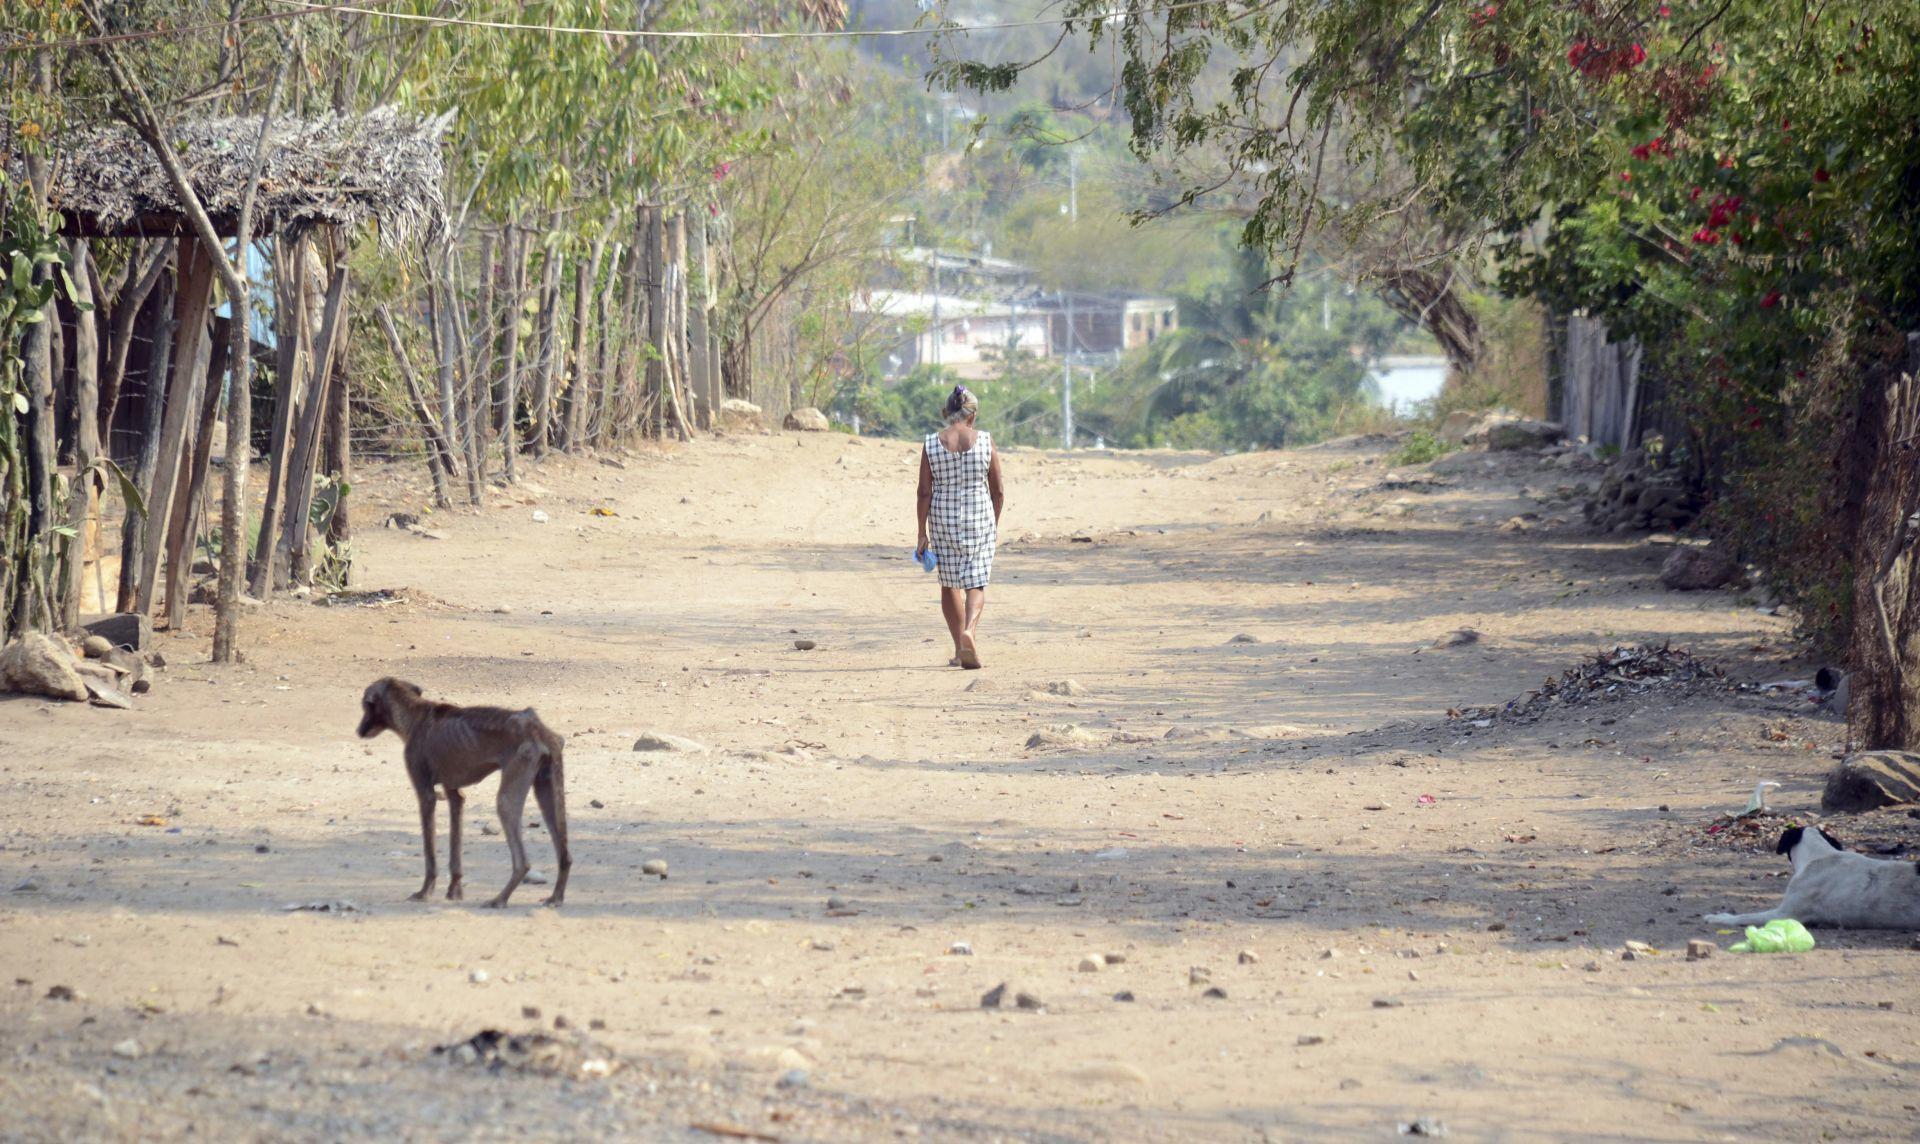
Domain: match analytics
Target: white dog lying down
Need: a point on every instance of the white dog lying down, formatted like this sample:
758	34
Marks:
1833	886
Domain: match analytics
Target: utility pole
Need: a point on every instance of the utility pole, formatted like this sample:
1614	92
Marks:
933	261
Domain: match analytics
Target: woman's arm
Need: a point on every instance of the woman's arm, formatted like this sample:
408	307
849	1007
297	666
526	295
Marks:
996	488
924	505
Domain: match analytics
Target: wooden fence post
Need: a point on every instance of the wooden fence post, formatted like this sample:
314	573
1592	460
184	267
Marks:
83	501
183	398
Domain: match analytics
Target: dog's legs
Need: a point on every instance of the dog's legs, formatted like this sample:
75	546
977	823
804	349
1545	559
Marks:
424	792
515	778
456	805
549	787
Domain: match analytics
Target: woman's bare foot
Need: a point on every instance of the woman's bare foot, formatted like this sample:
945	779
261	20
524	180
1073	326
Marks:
969	654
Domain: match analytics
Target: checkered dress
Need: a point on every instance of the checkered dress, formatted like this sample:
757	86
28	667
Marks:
960	525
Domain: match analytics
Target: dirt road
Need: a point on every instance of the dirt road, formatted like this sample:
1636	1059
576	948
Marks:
1326	909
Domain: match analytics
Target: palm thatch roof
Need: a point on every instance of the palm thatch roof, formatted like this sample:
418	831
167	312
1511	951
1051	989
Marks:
384	167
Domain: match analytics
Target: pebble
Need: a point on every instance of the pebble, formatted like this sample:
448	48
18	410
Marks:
654	866
540	516
1700	950
1310	1039
1629	955
27	886
479	976
560	1022
993	998
794	1078
1248	957
1115	958
62	993
1199	975
129	1049
805	645
1244	637
96	647
1092	963
960	949
315	1009
836	903
1029	1001
1639	947
1108	1072
1387	1003
596	804
1216	993
1068	687
1329	954
1123	995
530	1012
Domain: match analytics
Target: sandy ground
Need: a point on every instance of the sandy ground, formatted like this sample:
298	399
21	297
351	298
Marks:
1403	916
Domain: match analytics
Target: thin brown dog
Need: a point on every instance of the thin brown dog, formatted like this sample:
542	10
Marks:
455	747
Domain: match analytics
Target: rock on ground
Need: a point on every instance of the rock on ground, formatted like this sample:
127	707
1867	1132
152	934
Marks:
736	413
807	419
38	664
1698	569
1870	780
661	741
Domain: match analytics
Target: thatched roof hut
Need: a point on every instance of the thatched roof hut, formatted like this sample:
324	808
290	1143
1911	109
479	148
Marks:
384	167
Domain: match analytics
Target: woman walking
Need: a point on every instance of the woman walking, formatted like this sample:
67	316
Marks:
960	499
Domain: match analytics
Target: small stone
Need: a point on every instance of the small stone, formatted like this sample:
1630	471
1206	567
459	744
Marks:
560	1021
1496	927
1216	994
805	645
1092	963
657	867
1700	950
836	903
315	1009
1067	687
1244	637
223	939
62	993
1123	995
466	1054
28	885
794	1078
1029	1001
995	997
129	1050
1639	947
596	804
661	741
1199	975
1886	1004
96	647
530	1012
1114	958
479	976
1310	1039
1329	954
960	949
1629	955
1387	1003
1248	957
540	516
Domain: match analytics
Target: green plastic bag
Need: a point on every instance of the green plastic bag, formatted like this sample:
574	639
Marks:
1782	935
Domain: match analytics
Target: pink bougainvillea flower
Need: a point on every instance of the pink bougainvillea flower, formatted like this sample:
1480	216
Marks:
1820	175
1695	196
1705	236
1770	299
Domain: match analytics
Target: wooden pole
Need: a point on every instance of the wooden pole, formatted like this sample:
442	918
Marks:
183	400
290	285
83	501
183	524
133	530
126	311
700	360
306	447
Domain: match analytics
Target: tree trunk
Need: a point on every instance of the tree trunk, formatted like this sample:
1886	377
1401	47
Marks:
481	358
1885	681
183	401
439	451
573	401
133	530
601	428
291	283
84	499
632	326
1432	301
656	388
470	436
543	381
700	305
517	243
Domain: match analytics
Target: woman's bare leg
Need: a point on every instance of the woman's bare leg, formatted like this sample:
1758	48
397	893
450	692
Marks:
976	603
953	606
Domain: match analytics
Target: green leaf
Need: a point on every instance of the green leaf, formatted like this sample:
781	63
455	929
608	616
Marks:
129	491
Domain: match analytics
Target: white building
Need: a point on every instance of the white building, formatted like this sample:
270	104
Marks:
967	335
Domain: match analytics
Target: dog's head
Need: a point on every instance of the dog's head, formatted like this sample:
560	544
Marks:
377	704
1790	838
